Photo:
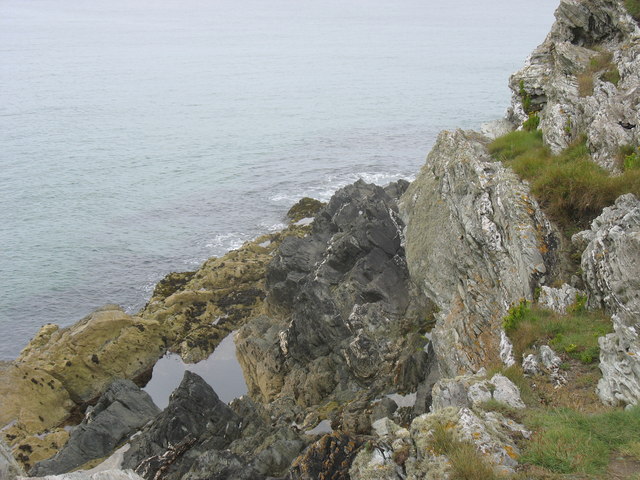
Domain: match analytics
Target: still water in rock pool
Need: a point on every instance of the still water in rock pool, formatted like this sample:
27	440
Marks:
221	370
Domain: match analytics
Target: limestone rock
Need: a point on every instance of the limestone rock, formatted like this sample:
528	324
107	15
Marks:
119	413
558	299
476	243
492	434
473	390
570	79
611	272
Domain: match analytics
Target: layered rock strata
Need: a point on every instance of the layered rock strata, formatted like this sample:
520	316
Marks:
611	273
476	243
341	316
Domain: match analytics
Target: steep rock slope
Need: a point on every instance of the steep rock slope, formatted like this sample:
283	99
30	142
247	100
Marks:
611	266
476	242
340	306
584	79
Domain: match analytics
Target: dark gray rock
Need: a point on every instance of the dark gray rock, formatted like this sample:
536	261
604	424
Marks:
120	412
196	420
383	409
343	305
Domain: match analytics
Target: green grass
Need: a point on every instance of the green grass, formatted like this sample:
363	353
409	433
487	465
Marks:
575	333
633	7
570	188
466	462
567	441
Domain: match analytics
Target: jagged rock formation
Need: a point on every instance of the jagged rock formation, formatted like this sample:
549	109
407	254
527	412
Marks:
611	266
584	79
195	415
474	390
121	411
340	306
477	242
61	370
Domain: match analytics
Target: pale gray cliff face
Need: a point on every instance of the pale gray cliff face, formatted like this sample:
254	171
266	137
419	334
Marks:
476	243
611	266
582	31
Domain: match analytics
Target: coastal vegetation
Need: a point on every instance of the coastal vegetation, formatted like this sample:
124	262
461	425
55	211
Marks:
574	333
633	7
573	432
570	187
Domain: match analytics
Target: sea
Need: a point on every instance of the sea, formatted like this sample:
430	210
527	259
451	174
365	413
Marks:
140	137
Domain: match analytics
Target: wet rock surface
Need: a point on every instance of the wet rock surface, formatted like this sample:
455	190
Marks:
121	411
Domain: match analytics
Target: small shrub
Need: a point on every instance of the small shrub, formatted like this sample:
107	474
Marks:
632	160
526	99
515	314
532	123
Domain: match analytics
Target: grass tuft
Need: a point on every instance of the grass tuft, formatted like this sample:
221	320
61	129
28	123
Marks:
633	7
575	333
466	462
569	187
571	442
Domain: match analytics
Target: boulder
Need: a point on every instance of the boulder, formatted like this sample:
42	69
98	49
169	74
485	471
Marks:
476	243
195	416
611	273
474	390
558	299
120	412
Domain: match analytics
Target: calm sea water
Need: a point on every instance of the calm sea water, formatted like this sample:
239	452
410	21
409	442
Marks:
139	137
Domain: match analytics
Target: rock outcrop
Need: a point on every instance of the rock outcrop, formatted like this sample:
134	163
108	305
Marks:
121	411
195	415
62	370
476	243
611	273
584	79
341	318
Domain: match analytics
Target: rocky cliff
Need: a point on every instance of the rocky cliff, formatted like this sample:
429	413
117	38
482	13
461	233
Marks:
413	331
584	80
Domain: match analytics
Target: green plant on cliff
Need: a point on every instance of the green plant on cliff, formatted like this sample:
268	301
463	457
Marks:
571	189
633	7
576	333
532	123
466	462
525	97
